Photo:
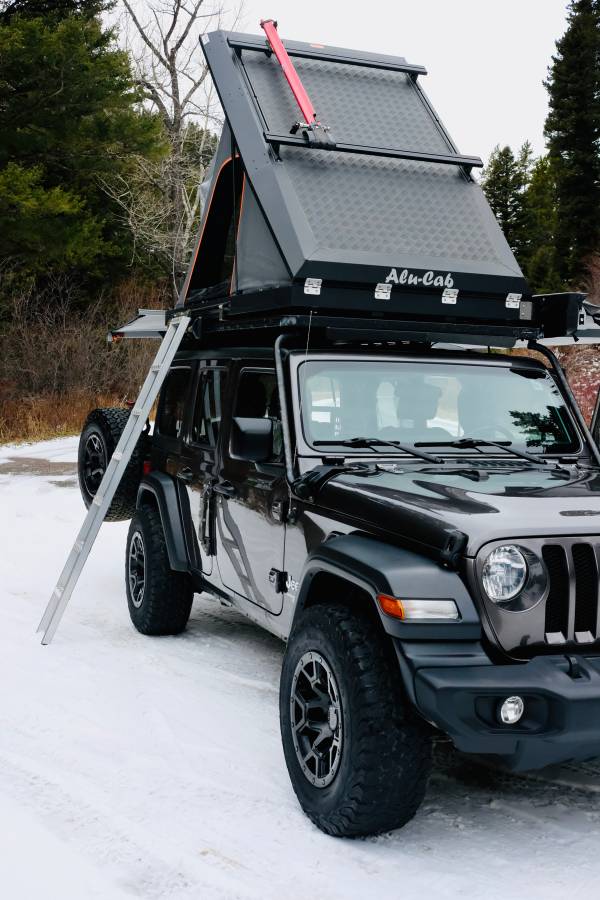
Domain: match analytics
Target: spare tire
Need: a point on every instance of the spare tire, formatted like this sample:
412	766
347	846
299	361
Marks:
99	437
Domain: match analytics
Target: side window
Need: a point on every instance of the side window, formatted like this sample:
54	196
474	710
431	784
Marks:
172	406
216	252
208	409
258	398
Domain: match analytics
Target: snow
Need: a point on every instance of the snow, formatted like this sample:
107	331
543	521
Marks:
133	767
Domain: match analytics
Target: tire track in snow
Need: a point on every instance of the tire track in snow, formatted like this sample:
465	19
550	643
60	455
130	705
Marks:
110	840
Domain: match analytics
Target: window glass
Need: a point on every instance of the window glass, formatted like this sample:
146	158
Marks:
209	406
258	398
173	398
428	402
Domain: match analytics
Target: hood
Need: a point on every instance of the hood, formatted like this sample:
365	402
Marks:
459	507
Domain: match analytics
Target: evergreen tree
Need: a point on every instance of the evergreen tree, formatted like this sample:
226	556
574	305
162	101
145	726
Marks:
573	137
504	181
32	9
69	115
539	257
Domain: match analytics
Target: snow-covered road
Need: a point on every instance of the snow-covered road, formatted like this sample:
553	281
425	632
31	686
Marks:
139	767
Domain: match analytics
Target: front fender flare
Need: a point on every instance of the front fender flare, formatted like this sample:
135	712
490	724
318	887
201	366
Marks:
162	489
381	568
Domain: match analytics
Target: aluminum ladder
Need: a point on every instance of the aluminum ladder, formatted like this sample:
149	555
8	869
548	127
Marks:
96	513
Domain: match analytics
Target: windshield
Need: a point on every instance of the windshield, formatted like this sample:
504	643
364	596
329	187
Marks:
430	402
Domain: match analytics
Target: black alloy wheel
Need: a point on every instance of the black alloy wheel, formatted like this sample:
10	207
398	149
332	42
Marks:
316	719
94	462
136	569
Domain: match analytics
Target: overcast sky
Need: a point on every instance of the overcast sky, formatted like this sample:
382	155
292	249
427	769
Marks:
486	59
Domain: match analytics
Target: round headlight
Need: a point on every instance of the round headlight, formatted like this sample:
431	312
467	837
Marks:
504	573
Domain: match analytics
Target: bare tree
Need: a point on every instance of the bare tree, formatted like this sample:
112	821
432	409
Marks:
161	199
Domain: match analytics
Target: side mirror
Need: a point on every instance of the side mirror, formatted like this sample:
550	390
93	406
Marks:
251	439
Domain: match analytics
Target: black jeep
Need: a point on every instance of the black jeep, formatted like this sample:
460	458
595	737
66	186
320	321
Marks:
420	525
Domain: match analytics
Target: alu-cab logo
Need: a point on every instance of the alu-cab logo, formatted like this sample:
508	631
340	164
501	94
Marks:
428	279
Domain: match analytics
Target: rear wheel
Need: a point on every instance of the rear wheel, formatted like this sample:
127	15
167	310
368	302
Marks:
159	599
99	438
357	754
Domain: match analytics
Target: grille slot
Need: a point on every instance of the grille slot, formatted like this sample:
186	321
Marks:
557	604
572	603
586	589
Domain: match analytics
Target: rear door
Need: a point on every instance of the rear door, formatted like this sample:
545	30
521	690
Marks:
171	418
199	457
251	500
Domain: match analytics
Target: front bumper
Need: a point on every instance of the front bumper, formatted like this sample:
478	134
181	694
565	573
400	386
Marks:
562	709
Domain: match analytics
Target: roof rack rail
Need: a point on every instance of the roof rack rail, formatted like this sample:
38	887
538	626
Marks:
354	58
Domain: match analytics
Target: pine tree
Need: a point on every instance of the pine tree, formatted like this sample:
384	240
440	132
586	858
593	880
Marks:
504	181
69	114
32	9
573	137
539	257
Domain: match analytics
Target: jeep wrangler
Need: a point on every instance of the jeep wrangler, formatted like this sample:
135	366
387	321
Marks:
417	520
428	549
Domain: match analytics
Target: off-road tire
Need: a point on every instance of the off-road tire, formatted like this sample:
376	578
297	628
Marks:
106	427
385	756
167	595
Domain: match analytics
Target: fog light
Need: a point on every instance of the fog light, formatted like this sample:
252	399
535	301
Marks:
512	710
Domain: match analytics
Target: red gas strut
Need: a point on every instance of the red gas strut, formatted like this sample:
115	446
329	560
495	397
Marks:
299	91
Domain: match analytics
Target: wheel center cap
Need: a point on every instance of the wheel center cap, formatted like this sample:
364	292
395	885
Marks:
332	718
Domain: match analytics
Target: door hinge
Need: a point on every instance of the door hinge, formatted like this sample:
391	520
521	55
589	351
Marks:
279	580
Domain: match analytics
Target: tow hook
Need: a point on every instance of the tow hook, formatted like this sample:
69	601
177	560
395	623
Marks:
574	671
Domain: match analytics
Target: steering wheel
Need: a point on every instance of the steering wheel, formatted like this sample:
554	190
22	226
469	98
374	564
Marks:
491	428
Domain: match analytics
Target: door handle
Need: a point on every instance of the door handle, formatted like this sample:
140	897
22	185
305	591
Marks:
185	475
226	488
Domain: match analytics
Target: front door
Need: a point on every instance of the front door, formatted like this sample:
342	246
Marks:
251	500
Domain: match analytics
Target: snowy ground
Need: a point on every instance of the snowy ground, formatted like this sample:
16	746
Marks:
136	767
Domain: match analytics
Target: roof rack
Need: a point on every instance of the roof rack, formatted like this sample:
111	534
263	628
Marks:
318	135
554	318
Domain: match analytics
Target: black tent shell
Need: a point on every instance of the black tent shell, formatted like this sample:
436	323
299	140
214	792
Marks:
386	220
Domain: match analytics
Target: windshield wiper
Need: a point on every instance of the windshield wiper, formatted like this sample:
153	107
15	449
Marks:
374	443
476	443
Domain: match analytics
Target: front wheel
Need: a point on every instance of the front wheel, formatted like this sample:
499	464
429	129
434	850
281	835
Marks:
357	755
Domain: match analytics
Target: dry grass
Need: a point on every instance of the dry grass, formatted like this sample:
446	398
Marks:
41	418
55	364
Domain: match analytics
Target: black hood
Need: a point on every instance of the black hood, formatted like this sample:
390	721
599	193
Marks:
456	508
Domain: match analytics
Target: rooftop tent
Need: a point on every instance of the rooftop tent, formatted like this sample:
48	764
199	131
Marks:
370	207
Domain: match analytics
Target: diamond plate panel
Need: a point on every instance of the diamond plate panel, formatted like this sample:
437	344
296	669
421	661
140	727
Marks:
395	206
361	106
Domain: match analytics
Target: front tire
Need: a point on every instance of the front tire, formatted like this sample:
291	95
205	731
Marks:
159	599
357	755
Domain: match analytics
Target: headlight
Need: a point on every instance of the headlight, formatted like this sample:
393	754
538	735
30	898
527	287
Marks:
504	573
514	578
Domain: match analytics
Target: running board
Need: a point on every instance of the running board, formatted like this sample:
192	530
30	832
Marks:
99	507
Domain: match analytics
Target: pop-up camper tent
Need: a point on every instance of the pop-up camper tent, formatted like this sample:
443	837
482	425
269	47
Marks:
367	207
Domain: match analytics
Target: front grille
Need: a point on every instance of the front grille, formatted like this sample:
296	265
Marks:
572	602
